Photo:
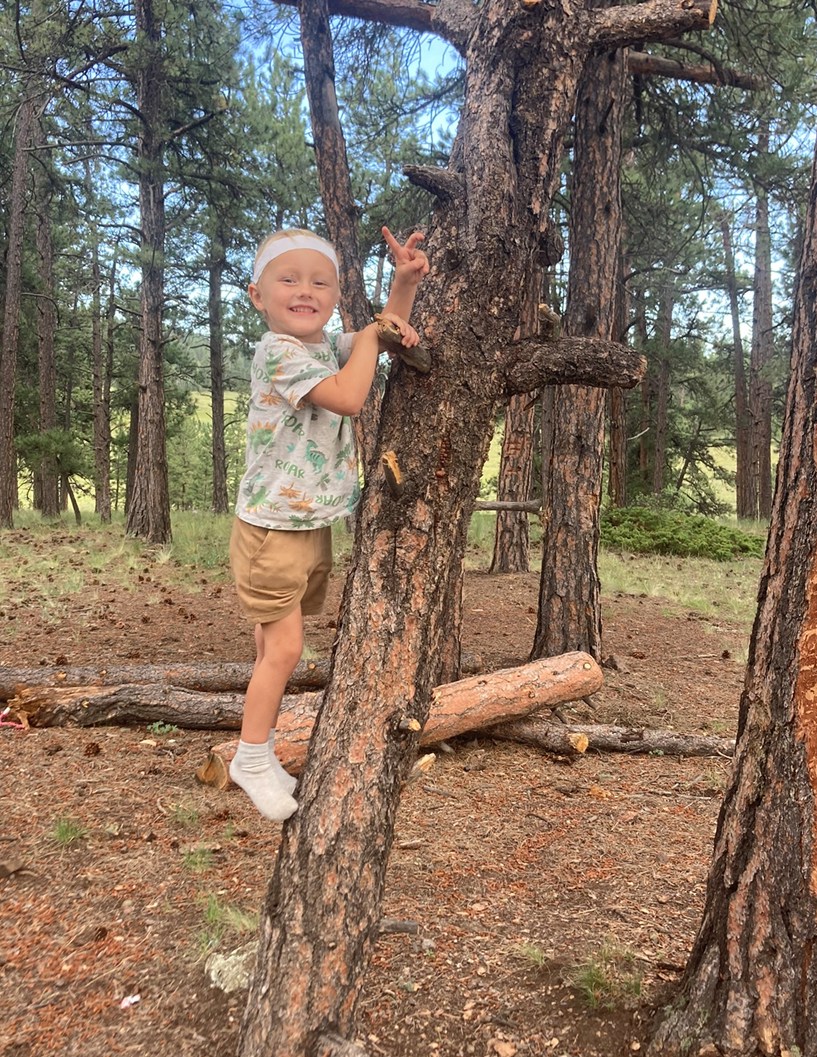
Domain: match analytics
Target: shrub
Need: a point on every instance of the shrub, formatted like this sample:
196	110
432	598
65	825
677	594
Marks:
655	531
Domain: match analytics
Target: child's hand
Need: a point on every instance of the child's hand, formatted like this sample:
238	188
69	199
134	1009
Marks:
410	263
408	336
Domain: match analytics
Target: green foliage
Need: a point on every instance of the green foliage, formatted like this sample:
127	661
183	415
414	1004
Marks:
647	530
68	831
162	729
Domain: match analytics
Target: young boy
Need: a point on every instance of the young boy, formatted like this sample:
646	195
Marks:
301	472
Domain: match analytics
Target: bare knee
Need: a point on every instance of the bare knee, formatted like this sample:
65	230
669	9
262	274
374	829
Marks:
281	644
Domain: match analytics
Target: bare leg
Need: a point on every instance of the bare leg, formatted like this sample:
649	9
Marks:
279	645
278	649
284	777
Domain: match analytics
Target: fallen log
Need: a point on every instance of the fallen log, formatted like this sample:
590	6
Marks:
95	706
210	678
561	738
469	704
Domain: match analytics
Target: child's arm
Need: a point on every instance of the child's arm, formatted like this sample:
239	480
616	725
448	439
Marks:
345	392
410	266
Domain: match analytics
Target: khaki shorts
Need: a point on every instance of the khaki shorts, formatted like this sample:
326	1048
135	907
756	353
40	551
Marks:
276	571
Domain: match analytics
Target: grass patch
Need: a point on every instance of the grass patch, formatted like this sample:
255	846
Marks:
726	589
222	920
68	831
608	979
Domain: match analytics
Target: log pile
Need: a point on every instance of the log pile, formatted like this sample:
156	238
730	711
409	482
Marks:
502	704
456	708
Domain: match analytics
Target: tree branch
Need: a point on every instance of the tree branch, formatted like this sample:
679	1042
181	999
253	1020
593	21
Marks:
618	27
526	365
452	20
440	182
660	66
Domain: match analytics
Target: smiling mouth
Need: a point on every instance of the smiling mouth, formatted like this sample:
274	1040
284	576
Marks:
303	309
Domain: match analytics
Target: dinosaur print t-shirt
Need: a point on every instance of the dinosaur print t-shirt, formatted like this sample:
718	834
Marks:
301	459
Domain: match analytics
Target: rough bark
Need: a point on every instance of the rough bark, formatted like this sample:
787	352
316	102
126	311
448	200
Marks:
527	365
309	675
23	129
745	492
750	988
463	705
569	614
760	386
340	209
149	501
218	262
550	736
322	909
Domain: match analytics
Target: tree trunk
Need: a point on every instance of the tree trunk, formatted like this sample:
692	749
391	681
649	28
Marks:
47	474
321	913
760	387
218	262
149	505
663	338
750	988
101	390
569	592
102	414
645	429
340	209
617	457
745	490
512	535
23	128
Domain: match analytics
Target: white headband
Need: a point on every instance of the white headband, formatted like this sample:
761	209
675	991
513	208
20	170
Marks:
292	242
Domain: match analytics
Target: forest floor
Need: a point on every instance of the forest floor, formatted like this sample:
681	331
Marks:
555	902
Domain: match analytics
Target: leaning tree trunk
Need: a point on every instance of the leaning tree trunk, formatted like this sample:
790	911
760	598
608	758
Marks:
745	489
569	591
23	127
149	503
320	916
760	389
341	210
750	987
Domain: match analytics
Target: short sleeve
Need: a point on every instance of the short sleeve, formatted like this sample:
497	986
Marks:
293	368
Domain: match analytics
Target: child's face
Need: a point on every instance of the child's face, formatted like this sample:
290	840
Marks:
297	293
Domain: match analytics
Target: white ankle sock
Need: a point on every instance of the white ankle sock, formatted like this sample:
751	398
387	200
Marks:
284	777
251	769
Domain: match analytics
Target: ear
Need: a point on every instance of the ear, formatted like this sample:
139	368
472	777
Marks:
255	297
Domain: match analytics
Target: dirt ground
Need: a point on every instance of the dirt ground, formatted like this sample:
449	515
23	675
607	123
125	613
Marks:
554	903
